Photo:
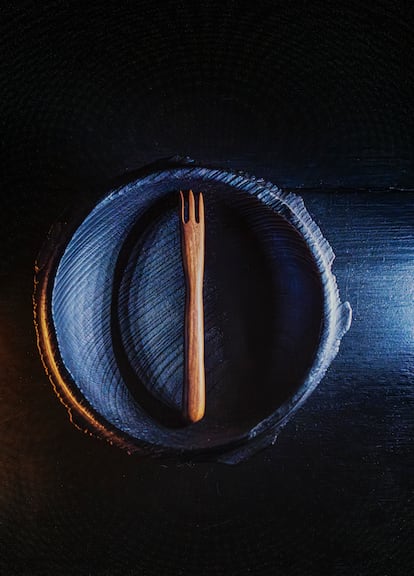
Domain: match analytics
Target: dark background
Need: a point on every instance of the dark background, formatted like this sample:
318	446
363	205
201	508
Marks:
310	95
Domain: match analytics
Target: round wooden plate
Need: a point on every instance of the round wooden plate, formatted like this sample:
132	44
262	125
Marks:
110	313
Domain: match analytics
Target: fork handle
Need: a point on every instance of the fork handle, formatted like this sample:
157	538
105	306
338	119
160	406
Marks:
194	378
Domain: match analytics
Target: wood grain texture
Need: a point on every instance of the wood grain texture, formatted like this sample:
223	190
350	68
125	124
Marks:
193	247
312	94
272	317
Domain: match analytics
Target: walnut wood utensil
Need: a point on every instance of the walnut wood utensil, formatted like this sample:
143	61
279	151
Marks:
193	234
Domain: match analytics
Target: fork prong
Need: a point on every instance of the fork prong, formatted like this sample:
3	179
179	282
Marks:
191	207
201	208
182	207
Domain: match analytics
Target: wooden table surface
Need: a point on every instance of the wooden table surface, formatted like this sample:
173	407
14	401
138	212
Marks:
314	98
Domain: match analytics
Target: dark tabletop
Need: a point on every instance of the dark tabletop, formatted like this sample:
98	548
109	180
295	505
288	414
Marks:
317	98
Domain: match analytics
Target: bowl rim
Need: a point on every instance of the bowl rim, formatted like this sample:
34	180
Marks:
335	323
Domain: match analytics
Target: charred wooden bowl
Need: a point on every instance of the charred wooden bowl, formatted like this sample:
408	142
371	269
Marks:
110	303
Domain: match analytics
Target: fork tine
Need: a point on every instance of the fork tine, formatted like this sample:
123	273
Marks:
191	207
201	208
182	207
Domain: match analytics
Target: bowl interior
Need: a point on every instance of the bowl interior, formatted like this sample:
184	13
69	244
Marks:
263	304
118	311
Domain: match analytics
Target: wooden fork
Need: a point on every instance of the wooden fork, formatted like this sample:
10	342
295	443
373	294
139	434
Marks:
193	233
